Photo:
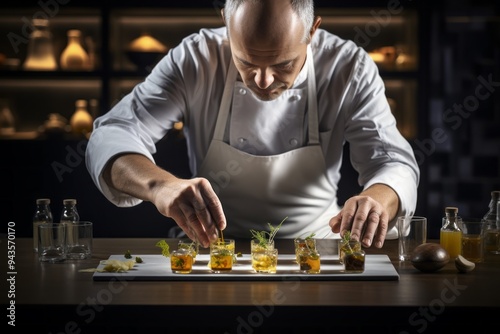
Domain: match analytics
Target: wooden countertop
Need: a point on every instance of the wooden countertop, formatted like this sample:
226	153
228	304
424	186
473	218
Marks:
53	296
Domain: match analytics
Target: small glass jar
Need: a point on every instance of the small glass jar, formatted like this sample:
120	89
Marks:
181	261
301	243
354	262
265	261
348	247
309	261
190	245
261	255
221	255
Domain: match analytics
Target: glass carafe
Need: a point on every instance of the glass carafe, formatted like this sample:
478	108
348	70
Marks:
40	48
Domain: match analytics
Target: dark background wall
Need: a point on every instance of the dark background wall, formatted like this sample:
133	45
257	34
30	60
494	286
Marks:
457	147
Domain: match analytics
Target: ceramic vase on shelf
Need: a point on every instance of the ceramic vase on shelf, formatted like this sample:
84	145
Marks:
81	120
40	49
74	57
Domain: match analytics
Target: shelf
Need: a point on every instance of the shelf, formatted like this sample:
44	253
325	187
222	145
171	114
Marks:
33	75
112	26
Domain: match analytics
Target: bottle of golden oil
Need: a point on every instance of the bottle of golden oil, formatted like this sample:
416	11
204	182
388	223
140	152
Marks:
450	235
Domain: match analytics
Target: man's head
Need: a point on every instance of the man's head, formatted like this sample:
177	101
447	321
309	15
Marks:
269	41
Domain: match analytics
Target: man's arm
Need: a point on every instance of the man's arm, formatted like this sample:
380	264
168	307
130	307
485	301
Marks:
191	203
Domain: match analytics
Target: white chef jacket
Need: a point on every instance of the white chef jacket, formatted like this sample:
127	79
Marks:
187	86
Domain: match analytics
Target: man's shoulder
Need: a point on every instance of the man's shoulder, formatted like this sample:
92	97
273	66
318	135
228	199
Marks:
327	44
340	54
207	35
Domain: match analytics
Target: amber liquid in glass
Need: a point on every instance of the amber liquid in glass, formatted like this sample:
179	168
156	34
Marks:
221	262
309	262
492	241
182	263
265	262
472	248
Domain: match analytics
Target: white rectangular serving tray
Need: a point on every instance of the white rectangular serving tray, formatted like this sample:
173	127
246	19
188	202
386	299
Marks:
157	268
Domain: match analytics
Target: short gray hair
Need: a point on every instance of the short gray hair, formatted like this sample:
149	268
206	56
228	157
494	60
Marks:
303	8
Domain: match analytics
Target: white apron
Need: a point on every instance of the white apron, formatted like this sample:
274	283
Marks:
257	190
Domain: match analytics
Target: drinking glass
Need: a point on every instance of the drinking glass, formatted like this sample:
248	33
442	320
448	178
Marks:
221	255
301	243
181	261
309	260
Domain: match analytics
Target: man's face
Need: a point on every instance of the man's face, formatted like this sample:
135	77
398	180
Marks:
267	51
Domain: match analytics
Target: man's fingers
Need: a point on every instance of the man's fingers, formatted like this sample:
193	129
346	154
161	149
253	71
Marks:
215	214
365	218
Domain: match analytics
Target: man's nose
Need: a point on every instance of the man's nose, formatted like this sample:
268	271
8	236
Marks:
264	78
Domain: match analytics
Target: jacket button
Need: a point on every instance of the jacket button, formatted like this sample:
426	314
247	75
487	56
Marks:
243	91
293	142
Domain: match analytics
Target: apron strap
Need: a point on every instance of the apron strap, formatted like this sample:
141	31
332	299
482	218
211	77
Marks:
225	106
312	103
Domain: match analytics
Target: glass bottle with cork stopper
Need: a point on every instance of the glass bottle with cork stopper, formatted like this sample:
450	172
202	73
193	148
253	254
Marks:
69	215
491	225
450	235
43	215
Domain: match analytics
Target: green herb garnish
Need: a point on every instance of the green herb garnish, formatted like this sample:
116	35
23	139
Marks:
165	248
310	236
128	255
179	263
138	259
266	237
346	238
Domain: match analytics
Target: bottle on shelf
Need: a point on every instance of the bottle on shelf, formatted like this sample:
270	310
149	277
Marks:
450	235
81	120
43	215
7	121
74	57
491	225
40	48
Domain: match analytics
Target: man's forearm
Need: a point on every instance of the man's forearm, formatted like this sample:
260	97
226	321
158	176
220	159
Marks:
135	175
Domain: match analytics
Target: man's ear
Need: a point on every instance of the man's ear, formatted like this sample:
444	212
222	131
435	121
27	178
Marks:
222	14
315	26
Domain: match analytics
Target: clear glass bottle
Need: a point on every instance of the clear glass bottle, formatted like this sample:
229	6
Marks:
450	236
40	48
491	225
43	215
69	215
69	212
74	57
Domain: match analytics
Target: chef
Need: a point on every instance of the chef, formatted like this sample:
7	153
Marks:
267	103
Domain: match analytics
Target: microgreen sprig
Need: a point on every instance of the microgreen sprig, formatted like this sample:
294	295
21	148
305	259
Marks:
347	238
165	248
266	237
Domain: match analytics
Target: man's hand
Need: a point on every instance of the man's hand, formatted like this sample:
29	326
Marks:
367	215
191	203
194	206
